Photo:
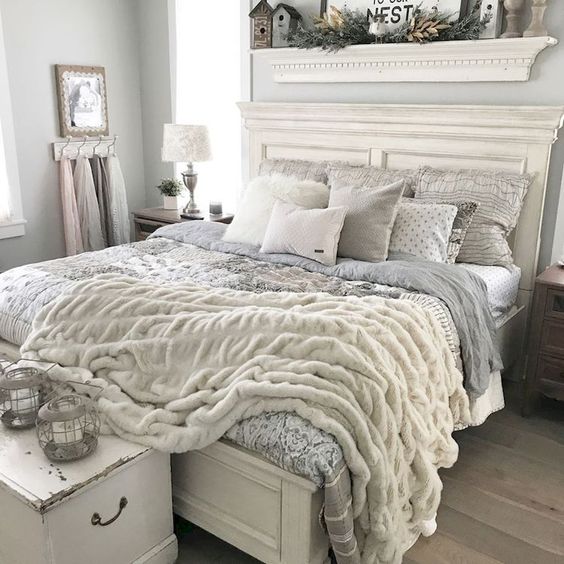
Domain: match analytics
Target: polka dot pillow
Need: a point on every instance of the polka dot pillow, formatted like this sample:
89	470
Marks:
423	230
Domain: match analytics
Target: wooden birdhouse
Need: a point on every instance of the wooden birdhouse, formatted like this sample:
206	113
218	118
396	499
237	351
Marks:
262	25
285	20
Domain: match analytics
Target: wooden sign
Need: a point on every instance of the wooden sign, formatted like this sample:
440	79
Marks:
398	12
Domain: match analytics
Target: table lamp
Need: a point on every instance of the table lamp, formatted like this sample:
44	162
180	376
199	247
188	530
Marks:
187	144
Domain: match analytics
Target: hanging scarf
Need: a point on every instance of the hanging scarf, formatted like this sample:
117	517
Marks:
119	215
87	204
103	195
71	222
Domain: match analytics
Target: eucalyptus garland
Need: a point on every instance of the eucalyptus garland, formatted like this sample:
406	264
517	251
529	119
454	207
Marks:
338	29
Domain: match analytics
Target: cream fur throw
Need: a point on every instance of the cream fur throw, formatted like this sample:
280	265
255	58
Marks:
182	364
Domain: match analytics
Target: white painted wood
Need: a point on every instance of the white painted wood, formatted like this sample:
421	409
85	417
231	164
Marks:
30	476
46	508
144	523
86	149
486	60
511	340
250	503
513	138
164	553
15	228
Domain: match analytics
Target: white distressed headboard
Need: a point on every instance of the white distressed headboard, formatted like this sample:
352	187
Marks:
512	138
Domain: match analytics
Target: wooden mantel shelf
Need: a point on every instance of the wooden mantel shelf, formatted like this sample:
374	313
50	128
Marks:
486	60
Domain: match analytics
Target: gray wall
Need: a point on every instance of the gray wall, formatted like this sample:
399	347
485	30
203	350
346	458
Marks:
156	90
545	87
39	34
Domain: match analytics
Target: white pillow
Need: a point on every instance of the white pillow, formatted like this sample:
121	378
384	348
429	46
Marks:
423	230
255	206
313	234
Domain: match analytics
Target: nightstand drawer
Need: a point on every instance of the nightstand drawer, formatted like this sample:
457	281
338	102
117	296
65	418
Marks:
144	228
552	339
555	303
550	375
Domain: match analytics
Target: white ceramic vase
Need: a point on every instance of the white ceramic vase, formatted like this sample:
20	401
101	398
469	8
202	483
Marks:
171	203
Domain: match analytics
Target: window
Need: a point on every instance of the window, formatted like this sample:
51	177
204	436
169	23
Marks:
11	220
208	87
5	213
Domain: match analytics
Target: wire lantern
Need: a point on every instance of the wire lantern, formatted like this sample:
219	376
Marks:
68	428
23	391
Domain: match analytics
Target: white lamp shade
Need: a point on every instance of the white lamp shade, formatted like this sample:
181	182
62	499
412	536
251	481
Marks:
185	143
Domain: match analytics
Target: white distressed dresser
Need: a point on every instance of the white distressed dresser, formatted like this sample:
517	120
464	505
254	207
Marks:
113	507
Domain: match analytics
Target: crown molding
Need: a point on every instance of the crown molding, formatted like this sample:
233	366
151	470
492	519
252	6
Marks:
485	60
531	124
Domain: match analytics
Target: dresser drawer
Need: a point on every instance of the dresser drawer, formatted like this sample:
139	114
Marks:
555	303
144	523
552	338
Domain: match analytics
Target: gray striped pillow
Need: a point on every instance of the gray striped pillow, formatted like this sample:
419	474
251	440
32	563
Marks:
500	196
370	176
303	170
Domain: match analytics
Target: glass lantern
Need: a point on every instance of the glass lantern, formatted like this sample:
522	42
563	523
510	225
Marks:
22	393
68	428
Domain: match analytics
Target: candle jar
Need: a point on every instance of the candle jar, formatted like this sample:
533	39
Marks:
216	208
22	393
68	428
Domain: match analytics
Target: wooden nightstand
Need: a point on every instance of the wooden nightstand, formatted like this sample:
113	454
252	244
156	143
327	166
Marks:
149	220
545	368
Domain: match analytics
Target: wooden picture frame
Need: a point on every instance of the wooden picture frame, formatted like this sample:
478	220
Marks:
82	99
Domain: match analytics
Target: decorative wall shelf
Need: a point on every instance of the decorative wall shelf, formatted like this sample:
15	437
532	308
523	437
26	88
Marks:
486	60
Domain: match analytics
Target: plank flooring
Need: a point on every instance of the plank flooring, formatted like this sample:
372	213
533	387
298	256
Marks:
503	501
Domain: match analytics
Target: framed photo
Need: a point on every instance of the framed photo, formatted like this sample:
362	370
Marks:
83	108
398	12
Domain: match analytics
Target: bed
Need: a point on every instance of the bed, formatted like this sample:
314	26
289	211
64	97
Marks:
237	494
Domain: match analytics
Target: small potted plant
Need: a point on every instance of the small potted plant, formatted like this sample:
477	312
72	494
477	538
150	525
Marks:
171	189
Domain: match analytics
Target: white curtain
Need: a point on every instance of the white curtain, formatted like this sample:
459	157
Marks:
5	211
208	87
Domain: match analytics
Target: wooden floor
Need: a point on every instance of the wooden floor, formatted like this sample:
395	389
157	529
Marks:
503	502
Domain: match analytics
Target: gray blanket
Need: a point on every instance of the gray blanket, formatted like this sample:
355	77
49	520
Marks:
462	291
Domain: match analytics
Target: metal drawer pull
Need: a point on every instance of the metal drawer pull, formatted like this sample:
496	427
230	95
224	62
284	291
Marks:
97	520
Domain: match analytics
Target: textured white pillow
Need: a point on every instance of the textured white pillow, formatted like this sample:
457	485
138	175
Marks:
255	206
423	230
313	234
